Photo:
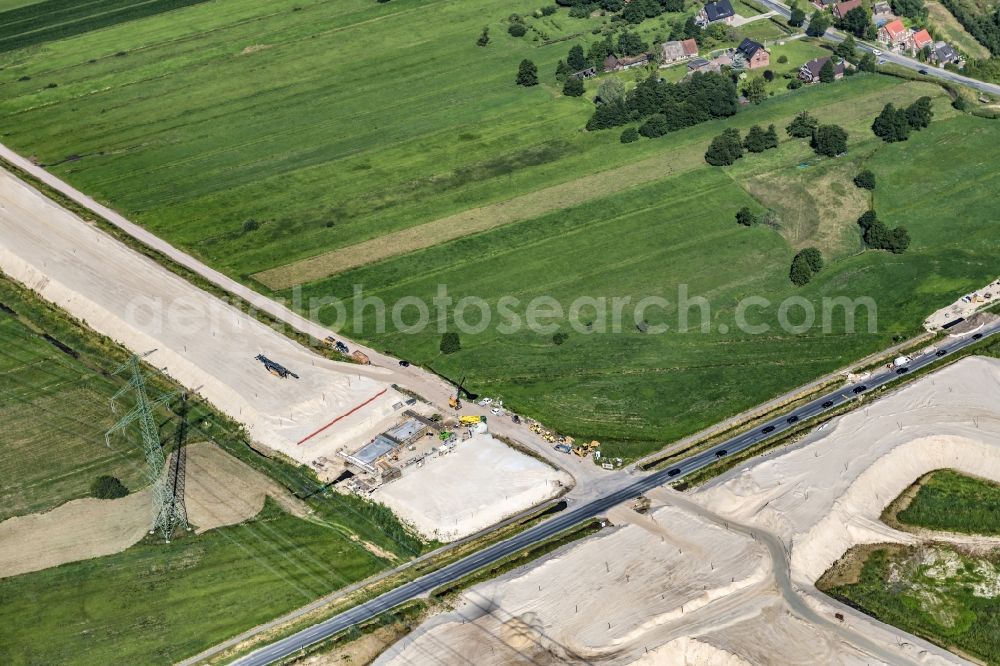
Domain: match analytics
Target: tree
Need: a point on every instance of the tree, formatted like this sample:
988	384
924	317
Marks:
878	237
802	125
633	12
755	90
782	59
597	52
818	24
250	224
484	37
867	63
725	149
829	140
573	87
450	342
517	29
630	44
797	18
913	9
891	125
756	140
847	48
899	240
919	114
559	337
108	487
611	90
527	74
562	71
629	135
770	138
576	60
827	74
856	22
805	264
865	179
614	114
746	217
656	125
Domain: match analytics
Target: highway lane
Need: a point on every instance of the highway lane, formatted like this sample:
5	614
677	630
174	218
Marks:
897	59
573	516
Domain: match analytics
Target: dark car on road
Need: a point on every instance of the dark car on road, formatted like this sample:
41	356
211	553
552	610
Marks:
828	404
768	429
977	336
404	363
792	419
673	472
902	371
922	71
721	453
940	352
860	389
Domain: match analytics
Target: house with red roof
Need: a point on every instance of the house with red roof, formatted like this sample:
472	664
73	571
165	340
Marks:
893	34
919	40
841	8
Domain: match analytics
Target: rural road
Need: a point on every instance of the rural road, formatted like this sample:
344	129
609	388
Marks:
897	59
421	586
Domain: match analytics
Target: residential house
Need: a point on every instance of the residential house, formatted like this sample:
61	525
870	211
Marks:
943	54
841	8
755	53
882	14
809	72
919	40
714	65
586	73
713	12
681	50
614	63
893	34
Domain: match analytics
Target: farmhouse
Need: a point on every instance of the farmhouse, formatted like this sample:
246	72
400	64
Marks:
679	50
943	54
893	33
841	8
713	12
920	39
614	63
809	72
755	53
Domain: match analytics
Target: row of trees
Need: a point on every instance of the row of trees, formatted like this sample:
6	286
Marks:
701	97
895	124
805	265
984	26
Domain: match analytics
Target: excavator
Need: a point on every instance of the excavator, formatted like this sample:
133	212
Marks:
456	402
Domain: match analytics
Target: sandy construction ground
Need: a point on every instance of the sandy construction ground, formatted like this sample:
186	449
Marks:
200	341
480	482
219	490
725	575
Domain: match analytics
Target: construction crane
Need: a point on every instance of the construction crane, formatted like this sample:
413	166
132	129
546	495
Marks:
456	402
275	369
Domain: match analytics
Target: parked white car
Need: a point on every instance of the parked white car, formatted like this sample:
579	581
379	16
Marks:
877	52
497	411
485	401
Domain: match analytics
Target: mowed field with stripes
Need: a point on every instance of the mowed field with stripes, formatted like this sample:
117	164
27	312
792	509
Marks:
356	143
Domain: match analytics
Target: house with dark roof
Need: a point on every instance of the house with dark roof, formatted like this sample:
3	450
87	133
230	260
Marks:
754	53
841	8
614	63
943	54
809	72
713	12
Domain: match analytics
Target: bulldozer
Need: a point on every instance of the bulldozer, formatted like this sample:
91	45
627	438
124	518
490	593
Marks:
455	402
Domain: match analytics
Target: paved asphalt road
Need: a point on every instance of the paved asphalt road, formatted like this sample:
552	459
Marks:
896	59
560	522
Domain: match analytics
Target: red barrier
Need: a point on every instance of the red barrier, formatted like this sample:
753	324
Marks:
374	397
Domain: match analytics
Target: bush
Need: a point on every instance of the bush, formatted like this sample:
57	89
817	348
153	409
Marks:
573	87
746	217
794	84
108	487
629	135
865	179
782	59
656	125
549	10
517	29
759	140
805	264
559	338
450	343
250	225
829	140
891	125
484	37
879	237
802	125
725	149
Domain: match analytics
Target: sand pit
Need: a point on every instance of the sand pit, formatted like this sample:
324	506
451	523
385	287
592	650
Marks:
201	342
479	483
219	490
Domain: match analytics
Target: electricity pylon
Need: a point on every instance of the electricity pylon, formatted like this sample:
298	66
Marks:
168	509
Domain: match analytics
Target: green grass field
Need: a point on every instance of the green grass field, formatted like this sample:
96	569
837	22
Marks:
954	502
54	411
937	593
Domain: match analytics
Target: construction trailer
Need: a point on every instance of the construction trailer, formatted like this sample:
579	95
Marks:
361	357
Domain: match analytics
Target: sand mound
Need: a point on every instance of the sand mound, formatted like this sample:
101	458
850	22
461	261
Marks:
219	490
481	482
